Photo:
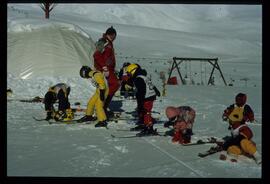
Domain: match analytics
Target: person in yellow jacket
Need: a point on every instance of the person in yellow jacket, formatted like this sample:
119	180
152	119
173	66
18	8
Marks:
60	93
96	102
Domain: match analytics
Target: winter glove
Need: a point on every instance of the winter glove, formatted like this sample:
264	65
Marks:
224	118
169	133
168	123
128	87
105	71
102	94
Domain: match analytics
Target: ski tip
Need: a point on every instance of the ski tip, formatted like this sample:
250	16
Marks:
201	155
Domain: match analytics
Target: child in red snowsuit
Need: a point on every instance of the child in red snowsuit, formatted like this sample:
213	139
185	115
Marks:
182	119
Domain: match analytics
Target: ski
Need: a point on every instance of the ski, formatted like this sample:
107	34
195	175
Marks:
211	151
63	122
199	142
51	121
137	135
76	121
127	130
73	121
38	119
128	136
135	112
133	136
36	99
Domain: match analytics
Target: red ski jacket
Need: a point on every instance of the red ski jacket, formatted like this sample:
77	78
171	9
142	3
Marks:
104	55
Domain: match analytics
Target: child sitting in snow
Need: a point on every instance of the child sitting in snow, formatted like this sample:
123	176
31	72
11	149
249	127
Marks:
240	141
58	92
182	119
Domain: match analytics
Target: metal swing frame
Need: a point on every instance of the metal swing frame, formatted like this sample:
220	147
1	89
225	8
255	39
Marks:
213	61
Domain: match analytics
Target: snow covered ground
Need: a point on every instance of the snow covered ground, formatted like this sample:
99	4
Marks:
39	149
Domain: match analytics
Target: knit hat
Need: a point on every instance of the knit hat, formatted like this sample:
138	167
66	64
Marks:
111	31
171	112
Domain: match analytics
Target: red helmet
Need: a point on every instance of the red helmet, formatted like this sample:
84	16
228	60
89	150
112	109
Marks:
172	112
240	99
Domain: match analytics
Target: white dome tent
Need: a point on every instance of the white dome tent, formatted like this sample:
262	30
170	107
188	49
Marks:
47	48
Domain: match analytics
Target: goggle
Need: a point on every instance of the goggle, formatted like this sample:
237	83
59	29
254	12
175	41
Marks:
173	119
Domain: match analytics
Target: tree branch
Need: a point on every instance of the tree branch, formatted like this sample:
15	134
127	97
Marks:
42	7
53	5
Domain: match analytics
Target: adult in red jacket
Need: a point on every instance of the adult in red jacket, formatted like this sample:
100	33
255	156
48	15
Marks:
104	61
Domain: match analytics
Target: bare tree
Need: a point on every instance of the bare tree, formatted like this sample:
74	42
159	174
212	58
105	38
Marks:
47	8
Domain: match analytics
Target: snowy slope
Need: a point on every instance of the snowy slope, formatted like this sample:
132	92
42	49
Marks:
39	149
43	47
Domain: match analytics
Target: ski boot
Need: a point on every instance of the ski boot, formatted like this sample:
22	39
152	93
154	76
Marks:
101	124
139	122
87	118
109	114
49	116
169	133
147	131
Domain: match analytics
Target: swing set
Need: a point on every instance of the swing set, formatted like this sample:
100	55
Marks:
212	61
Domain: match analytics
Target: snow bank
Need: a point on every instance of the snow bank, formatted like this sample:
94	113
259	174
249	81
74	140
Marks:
28	25
39	47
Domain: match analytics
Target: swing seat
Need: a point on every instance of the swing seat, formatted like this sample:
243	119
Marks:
172	81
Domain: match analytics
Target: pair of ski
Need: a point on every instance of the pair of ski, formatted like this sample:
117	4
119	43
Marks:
211	140
57	122
36	99
200	141
77	121
137	135
212	150
69	122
